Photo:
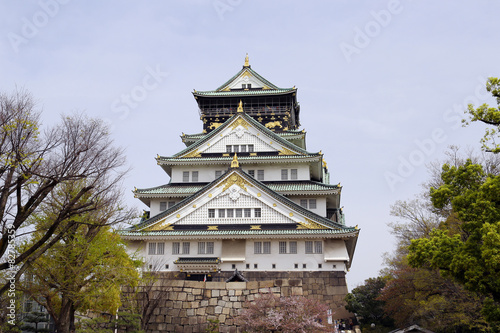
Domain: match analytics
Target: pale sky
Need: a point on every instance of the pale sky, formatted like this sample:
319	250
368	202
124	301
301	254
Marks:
382	84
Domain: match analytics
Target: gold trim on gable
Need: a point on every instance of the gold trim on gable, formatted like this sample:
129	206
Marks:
234	179
160	226
239	122
308	224
286	151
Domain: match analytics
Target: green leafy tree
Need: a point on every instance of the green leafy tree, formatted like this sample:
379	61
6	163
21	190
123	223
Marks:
467	246
86	268
33	322
365	303
488	115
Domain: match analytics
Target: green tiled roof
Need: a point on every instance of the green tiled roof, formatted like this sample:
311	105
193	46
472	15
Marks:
277	187
245	92
195	260
240	158
239	232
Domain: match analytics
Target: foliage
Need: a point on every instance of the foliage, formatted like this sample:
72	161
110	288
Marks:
85	269
34	164
488	115
213	326
271	313
467	246
32	320
124	321
364	302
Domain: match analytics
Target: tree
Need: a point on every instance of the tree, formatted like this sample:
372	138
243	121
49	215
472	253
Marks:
488	115
364	302
33	320
467	246
271	313
86	268
33	165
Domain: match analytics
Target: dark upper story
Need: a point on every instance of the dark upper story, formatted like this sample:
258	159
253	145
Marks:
274	107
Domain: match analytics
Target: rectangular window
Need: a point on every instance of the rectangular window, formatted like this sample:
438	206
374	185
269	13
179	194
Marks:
211	213
176	248
210	247
185	247
243	148
257	247
255	266
296	265
239	212
230	213
284	174
247	212
163	206
266	247
236	149
171	204
160	248
248	266
274	265
318	247
309	247
222	213
218	173
312	203
257	212
201	247
251	173
228	148
293	174
304	265
185	176
320	265
303	203
293	247
250	148
260	174
152	248
282	247
194	176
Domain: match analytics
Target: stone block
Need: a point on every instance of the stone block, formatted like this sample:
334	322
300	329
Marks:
174	283
236	285
197	291
190	312
221	302
194	284
201	311
204	303
253	285
295	282
181	296
226	311
215	285
215	293
190	297
231	292
212	301
193	321
239	292
266	284
222	318
207	293
237	305
297	291
218	309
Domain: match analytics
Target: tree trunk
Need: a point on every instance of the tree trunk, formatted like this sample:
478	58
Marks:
65	322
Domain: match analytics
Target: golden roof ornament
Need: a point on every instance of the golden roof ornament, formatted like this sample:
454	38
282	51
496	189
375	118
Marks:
240	107
247	64
234	162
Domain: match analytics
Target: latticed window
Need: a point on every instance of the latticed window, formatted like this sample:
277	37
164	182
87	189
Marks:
222	213
293	174
201	247
303	203
239	212
210	247
248	212
171	204
257	247
309	247
258	212
152	248
185	176
266	247
160	248
251	173
282	247
260	174
236	149
211	213
163	205
243	148
284	174
228	148
230	213
176	248
312	203
250	148
194	176
318	247
185	247
293	247
218	173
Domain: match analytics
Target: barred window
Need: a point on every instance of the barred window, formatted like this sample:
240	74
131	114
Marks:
251	173
230	213
309	247
293	247
160	248
239	212
303	203
194	176
185	247
176	248
229	148
312	203
222	213
163	206
185	176
210	247
250	148
243	148
201	247
266	247
260	174
236	149
171	204
152	248
282	247
218	173
318	247
257	247
293	174
248	212
284	174
211	213
257	212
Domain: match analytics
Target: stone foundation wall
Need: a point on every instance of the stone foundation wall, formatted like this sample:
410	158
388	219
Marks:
189	305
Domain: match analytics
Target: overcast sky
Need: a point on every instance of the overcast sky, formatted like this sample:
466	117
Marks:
382	84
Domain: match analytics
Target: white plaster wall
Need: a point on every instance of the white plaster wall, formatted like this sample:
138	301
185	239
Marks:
320	204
